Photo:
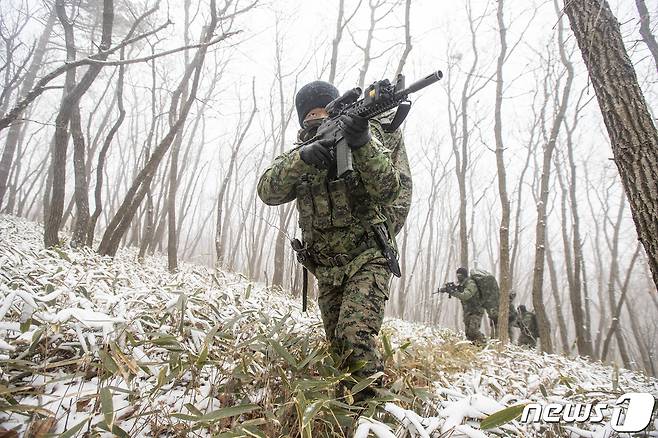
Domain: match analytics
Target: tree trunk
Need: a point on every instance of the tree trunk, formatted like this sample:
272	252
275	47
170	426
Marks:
172	230
102	155
503	308
645	30
69	102
540	230
235	151
407	38
633	135
583	329
15	129
564	333
81	183
613	278
122	219
616	315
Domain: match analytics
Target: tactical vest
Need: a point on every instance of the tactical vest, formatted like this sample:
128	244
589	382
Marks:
325	204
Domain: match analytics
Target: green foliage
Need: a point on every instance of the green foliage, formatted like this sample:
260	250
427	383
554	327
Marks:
503	416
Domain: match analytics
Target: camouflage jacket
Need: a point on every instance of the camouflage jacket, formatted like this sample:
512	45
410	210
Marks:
527	322
468	290
334	214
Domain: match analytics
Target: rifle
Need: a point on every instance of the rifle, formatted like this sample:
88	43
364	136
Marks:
523	326
378	98
449	288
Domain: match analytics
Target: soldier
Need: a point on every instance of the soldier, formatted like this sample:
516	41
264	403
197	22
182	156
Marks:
338	218
527	322
479	292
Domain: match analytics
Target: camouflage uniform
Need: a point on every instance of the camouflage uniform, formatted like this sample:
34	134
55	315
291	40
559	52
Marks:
474	304
472	308
335	216
527	322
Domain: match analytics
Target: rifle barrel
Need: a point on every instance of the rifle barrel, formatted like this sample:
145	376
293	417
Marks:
421	83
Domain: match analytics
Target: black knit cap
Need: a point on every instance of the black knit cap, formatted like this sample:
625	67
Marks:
316	94
463	271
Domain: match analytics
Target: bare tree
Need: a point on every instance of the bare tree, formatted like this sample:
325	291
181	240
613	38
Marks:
120	223
68	109
645	30
379	10
407	38
172	237
341	24
625	113
505	280
460	122
238	141
14	134
540	231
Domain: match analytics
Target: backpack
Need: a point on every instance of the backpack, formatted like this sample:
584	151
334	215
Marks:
486	283
396	213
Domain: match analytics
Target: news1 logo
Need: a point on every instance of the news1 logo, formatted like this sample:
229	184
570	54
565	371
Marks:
633	417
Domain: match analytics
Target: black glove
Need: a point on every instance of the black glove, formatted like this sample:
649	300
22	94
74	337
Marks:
355	130
317	153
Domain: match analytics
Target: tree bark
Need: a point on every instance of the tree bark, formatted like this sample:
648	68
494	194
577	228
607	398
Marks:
81	191
632	132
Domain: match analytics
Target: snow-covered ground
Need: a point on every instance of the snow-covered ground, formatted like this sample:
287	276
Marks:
91	344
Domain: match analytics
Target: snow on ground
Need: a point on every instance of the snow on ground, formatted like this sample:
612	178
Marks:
89	343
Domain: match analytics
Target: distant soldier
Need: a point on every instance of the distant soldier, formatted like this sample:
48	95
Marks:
478	292
527	322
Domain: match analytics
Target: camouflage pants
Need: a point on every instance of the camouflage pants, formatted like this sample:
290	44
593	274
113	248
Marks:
352	314
473	314
492	312
527	340
472	321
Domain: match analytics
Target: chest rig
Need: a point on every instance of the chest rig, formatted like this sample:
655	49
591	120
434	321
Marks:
325	203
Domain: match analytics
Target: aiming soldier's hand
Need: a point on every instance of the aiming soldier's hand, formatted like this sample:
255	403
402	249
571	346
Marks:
317	153
355	130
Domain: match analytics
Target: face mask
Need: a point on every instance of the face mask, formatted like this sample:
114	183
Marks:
312	124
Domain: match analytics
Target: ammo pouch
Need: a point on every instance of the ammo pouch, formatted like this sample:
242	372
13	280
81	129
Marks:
341	214
322	215
305	205
323	205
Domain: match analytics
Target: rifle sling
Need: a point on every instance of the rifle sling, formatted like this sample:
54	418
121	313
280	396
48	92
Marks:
304	288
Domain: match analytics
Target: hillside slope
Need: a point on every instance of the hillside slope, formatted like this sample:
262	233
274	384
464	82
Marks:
91	344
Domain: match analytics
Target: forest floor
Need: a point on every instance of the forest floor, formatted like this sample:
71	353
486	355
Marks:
90	345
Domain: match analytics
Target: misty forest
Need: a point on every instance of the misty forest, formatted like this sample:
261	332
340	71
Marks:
146	290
